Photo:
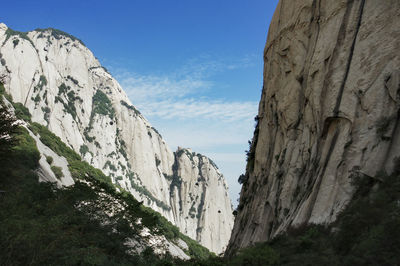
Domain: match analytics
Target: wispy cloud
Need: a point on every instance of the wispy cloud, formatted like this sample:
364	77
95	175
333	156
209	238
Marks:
206	65
154	88
200	108
182	94
179	105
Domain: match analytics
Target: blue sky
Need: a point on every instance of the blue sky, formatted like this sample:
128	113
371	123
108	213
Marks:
192	67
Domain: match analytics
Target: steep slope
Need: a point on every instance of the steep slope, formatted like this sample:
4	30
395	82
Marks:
76	201
328	112
66	89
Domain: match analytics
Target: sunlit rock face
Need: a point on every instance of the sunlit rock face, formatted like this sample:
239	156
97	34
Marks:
66	89
328	111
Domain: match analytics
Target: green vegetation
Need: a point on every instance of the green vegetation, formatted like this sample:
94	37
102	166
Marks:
102	105
49	159
2	60
252	148
63	89
143	190
212	163
37	99
192	211
26	149
21	112
120	143
155	130
15	42
54	142
105	69
4	93
73	80
23	35
366	232
40	225
57	34
46	114
201	206
158	162
176	181
123	167
110	166
57	171
43	225
83	149
42	82
86	134
69	107
242	179
130	107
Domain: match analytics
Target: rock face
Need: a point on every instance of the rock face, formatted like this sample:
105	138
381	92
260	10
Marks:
328	111
66	89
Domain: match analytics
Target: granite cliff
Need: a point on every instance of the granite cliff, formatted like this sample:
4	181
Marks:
66	89
329	111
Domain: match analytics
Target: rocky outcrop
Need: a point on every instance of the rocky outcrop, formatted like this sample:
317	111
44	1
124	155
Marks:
200	199
66	89
328	112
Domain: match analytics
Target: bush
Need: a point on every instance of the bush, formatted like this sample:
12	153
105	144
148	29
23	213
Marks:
257	255
21	112
102	105
54	142
49	159
57	171
15	42
26	150
83	149
58	34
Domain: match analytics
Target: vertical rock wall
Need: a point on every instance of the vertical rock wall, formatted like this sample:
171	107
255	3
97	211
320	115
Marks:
328	110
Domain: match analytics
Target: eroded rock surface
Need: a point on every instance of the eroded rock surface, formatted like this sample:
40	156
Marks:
328	111
66	89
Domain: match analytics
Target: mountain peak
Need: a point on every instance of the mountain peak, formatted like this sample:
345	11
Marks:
67	90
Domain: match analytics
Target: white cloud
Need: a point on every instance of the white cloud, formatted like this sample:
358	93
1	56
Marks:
182	94
192	108
152	88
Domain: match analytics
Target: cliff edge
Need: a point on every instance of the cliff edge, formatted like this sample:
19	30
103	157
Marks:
329	110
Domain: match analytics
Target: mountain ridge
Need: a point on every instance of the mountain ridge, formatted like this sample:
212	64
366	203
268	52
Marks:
66	89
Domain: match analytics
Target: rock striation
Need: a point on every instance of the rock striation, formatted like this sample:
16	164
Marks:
66	89
329	111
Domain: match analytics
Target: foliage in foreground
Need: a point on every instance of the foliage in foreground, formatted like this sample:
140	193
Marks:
41	224
367	232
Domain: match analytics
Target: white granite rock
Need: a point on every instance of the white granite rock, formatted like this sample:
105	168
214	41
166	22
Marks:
328	110
66	89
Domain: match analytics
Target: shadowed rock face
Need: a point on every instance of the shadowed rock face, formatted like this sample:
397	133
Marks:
66	89
328	110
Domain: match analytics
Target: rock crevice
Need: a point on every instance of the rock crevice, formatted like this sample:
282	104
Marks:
329	108
67	90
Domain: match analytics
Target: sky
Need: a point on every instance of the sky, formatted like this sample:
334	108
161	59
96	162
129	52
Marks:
192	67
